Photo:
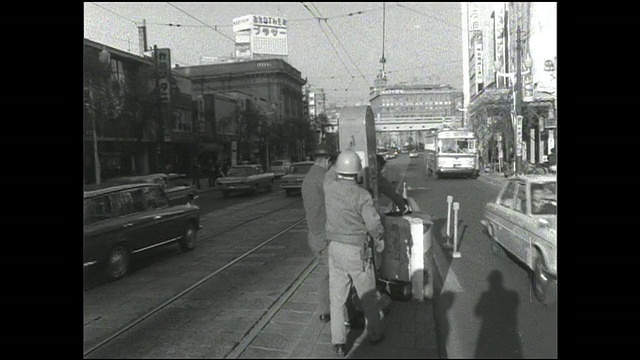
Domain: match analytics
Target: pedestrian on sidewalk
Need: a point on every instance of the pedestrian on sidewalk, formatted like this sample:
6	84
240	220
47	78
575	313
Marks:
313	201
351	219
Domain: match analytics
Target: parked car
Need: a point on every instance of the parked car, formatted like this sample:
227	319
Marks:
280	167
413	154
522	221
176	186
123	220
391	154
292	182
245	178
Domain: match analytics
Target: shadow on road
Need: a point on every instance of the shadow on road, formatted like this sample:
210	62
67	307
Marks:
497	309
444	302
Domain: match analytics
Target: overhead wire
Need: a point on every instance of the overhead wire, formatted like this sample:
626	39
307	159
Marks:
202	22
342	45
457	27
113	12
327	36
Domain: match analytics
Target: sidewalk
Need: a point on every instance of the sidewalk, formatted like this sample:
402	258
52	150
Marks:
204	184
295	331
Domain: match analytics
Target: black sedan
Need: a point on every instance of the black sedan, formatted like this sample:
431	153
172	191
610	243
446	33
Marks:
122	220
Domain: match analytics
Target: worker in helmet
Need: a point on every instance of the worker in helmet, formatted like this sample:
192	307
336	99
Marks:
313	201
351	219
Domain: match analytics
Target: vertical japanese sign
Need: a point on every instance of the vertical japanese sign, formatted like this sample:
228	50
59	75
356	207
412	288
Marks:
200	124
163	59
519	135
478	56
499	41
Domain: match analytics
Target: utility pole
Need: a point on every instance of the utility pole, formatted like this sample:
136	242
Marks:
96	157
160	115
518	103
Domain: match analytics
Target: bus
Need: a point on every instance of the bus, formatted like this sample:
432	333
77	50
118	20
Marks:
452	152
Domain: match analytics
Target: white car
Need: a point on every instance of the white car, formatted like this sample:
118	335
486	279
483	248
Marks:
413	154
522	221
292	182
280	168
245	178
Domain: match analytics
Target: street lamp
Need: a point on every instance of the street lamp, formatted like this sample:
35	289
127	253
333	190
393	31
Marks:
105	58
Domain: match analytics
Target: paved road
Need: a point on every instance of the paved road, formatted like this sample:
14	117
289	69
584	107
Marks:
210	199
513	323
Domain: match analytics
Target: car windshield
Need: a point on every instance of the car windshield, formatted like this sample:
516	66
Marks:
544	198
300	169
240	172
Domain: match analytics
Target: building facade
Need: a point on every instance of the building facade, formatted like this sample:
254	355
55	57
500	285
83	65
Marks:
272	87
403	113
512	106
317	101
137	132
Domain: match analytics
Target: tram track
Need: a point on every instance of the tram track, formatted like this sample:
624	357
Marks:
193	285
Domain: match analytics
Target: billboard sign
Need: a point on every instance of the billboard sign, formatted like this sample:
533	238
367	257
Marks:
269	35
259	34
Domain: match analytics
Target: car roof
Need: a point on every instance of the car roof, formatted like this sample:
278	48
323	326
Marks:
107	188
139	177
537	178
303	163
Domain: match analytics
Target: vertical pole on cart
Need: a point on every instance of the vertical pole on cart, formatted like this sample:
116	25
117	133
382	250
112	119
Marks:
456	253
449	202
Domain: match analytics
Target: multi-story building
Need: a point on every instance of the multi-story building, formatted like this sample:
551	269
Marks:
273	86
502	37
317	100
127	113
403	113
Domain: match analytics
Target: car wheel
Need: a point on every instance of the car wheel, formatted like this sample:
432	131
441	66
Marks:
496	248
225	193
541	281
289	192
269	185
117	262
255	189
188	240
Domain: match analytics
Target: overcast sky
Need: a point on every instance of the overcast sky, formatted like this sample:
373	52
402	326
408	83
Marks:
422	42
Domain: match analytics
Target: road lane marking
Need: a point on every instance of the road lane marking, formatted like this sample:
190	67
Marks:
450	282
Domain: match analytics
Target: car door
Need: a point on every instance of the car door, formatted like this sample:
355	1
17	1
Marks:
503	215
520	237
137	221
99	228
169	220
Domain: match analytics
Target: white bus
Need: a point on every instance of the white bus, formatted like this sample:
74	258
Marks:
452	152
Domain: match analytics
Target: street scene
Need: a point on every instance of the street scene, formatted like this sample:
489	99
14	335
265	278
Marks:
261	183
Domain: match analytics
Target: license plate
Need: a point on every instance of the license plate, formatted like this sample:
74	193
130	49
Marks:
457	165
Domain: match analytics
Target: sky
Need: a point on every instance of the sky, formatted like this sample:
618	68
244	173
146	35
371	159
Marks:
422	41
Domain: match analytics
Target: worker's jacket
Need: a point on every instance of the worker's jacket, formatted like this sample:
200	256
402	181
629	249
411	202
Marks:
350	212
